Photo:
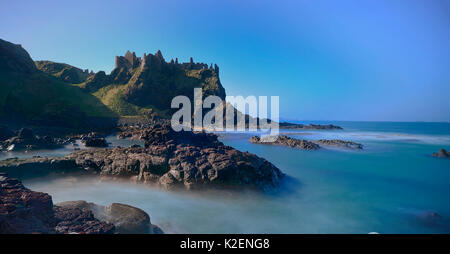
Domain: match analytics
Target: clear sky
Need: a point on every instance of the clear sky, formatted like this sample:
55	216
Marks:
385	60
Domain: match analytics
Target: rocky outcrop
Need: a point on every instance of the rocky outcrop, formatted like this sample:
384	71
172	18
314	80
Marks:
305	144
286	141
286	125
23	211
125	218
70	220
93	140
26	140
96	81
149	82
169	159
339	143
442	153
15	59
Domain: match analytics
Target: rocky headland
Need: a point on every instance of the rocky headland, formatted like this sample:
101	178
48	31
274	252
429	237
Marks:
283	140
23	211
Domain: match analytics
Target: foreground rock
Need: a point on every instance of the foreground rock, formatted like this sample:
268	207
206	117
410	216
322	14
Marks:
23	211
286	125
26	140
442	153
70	220
304	144
339	143
286	141
170	159
126	219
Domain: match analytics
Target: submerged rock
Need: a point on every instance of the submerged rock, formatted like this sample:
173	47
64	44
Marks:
285	141
442	153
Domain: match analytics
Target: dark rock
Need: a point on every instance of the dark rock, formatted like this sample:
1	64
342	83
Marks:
442	153
170	159
339	143
13	58
23	211
285	141
81	221
135	146
156	229
126	219
95	142
304	144
286	125
26	140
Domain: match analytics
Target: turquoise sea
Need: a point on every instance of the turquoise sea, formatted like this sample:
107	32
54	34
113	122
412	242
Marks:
393	185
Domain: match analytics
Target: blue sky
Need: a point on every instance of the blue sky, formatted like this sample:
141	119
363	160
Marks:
380	60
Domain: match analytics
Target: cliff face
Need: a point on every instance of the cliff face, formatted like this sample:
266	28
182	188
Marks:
147	84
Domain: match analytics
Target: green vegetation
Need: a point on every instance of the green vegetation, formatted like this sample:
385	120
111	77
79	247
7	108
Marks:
38	96
57	92
65	72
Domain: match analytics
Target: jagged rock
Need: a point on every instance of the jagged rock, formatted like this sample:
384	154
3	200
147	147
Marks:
442	153
97	81
26	140
304	144
93	140
170	159
339	143
285	141
81	221
23	211
126	219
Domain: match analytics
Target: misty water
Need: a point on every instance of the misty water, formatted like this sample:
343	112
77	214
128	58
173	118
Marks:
392	186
